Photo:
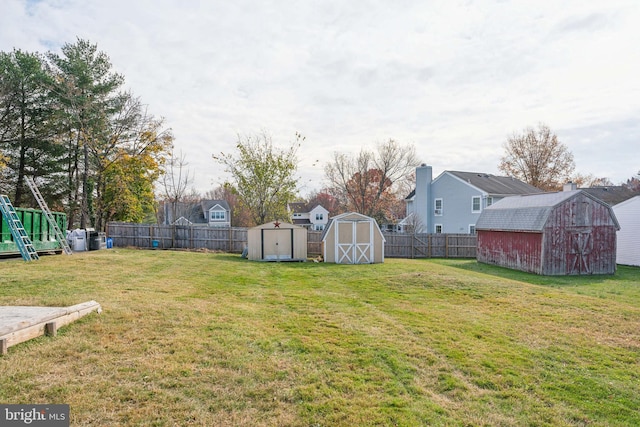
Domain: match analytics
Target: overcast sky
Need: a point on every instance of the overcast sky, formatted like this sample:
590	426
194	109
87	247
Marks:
455	78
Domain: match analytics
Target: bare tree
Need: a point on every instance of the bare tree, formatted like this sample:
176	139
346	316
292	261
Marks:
413	224
366	182
175	182
590	180
537	157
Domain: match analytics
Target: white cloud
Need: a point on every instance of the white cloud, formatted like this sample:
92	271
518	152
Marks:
455	78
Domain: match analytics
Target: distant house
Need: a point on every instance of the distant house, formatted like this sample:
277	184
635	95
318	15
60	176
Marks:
628	215
217	212
453	202
565	233
314	218
212	213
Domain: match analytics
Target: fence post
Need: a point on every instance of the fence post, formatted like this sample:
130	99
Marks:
446	246
413	245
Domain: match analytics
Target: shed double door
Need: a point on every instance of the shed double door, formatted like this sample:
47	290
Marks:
354	242
581	246
277	244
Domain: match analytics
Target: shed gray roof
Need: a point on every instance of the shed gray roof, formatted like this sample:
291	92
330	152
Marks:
298	207
526	212
496	185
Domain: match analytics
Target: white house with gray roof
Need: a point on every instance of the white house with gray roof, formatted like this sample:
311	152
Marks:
454	200
312	218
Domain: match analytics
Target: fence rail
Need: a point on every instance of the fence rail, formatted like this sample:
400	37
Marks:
234	240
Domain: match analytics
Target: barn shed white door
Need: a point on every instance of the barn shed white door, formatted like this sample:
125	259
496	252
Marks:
354	242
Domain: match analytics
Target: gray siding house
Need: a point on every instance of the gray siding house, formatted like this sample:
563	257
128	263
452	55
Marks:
453	201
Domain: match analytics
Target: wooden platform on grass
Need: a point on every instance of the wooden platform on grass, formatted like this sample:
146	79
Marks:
22	323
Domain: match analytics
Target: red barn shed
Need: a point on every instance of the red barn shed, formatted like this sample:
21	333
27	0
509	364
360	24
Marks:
564	233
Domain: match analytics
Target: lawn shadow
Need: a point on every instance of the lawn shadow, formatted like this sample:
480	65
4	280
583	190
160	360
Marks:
535	279
309	263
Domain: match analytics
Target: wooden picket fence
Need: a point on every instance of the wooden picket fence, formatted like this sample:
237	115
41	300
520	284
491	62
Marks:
234	240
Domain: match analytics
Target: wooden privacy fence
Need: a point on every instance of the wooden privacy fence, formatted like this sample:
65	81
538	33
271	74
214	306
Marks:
234	239
400	245
224	239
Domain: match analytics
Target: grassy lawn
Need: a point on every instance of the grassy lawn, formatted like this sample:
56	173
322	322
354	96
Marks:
213	340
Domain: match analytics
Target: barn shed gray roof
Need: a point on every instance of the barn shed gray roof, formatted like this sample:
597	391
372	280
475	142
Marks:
527	212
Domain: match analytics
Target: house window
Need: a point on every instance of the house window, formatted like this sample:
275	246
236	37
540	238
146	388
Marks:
319	217
319	227
489	201
438	207
438	228
472	229
217	216
475	204
297	215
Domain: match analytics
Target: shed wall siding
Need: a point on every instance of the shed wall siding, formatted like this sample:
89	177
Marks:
520	251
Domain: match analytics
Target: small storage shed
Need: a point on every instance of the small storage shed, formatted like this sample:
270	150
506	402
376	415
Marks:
353	238
277	241
628	216
565	233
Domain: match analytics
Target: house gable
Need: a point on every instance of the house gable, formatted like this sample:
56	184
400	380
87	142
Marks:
217	213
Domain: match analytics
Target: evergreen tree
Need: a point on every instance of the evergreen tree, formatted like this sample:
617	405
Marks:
27	126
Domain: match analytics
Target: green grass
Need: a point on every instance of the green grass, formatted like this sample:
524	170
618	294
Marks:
213	340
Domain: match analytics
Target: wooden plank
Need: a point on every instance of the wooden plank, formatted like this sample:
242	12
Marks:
20	323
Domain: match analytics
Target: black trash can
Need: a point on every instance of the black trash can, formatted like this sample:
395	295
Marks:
97	240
